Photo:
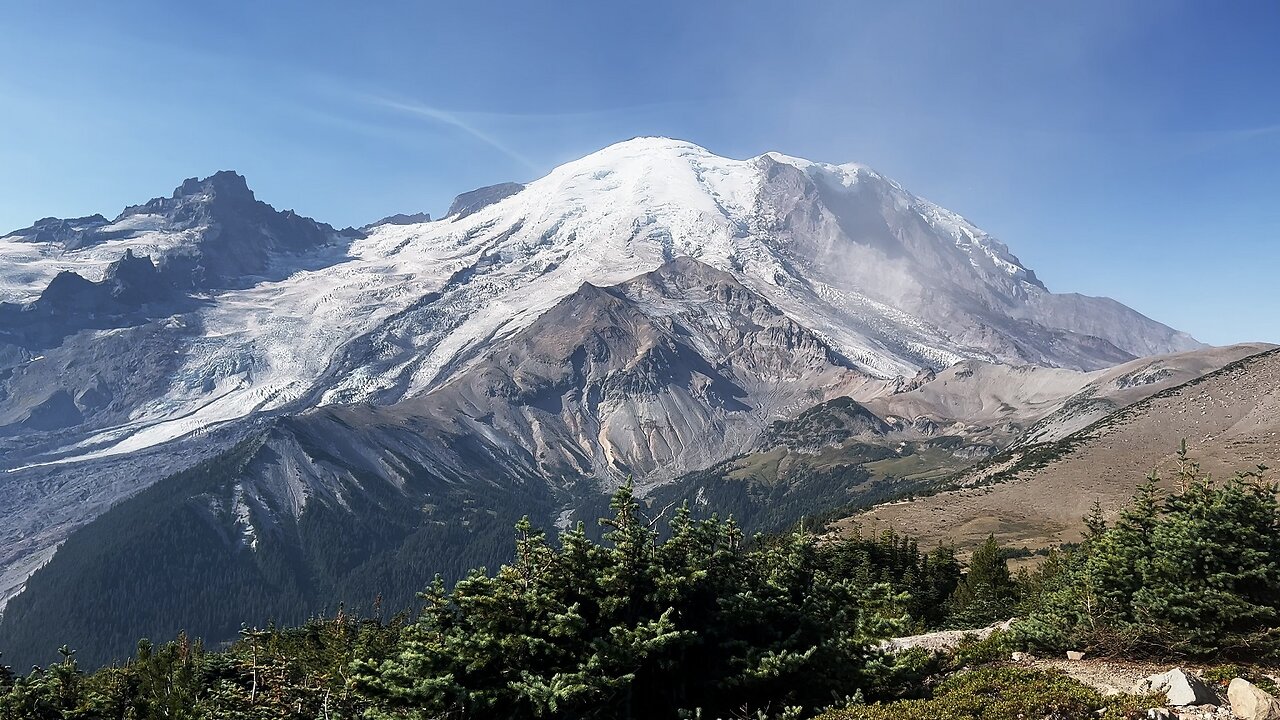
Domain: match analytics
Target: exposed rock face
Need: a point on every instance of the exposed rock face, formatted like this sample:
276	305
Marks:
237	234
131	289
945	640
1250	702
68	232
471	202
660	375
129	282
827	424
926	375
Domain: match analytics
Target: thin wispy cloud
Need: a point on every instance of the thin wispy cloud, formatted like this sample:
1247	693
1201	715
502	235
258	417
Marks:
458	121
569	115
1197	142
493	128
1256	132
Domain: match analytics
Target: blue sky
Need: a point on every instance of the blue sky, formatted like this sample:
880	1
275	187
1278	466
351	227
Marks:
1127	149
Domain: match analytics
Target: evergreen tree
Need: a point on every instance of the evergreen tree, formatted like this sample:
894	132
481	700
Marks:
1118	562
1195	572
638	627
987	592
1212	582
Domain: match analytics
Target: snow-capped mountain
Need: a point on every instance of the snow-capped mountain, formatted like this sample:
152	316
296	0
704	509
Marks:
191	319
893	281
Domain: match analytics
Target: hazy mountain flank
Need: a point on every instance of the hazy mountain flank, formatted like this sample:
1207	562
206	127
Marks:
1229	417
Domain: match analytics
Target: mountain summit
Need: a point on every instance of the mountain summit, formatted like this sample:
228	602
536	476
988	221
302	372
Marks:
894	281
890	281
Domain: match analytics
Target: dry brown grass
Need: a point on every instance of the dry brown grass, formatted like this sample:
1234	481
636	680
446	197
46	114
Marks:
1230	420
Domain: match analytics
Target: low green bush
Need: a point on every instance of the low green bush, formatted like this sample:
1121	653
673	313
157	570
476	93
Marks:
972	652
1004	693
1222	675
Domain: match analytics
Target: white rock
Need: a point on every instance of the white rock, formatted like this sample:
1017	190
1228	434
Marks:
1179	687
1250	702
1075	655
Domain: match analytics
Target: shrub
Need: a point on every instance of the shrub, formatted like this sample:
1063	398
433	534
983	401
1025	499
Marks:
1003	693
1222	675
972	652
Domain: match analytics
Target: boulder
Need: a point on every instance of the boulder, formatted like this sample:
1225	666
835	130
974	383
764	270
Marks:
1250	702
1179	688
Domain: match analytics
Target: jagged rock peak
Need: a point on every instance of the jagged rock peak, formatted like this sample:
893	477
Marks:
131	267
227	184
401	219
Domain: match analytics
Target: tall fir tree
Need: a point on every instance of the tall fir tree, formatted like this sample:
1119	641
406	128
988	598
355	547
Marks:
987	593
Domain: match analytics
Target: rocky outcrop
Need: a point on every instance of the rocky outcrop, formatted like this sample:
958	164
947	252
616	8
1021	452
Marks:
829	423
469	203
131	290
235	234
946	640
68	232
926	375
667	373
400	219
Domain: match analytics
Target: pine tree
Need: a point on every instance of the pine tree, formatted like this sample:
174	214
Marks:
1212	583
1119	556
987	593
6	676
